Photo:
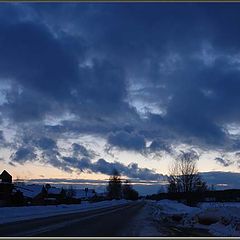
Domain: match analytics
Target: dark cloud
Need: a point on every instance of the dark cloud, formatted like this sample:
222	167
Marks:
46	143
54	158
190	155
102	166
222	180
163	81
237	156
33	146
38	60
90	69
24	154
2	136
224	162
32	64
127	141
3	141
159	145
47	75
81	164
46	151
12	164
80	150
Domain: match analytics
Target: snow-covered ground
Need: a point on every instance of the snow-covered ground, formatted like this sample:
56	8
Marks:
221	219
12	214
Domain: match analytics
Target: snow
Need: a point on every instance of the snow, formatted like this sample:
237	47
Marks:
13	214
221	219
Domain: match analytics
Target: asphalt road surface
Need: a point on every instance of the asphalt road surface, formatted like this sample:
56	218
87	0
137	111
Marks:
106	222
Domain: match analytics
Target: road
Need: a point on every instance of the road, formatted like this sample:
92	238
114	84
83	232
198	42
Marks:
129	220
106	222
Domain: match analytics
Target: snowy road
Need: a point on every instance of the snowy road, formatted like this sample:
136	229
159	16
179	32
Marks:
101	222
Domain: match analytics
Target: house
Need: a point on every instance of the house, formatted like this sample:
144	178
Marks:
5	177
45	194
39	194
30	191
6	188
102	194
19	193
85	194
50	195
55	195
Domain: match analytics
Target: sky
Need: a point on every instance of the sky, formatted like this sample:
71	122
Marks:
86	88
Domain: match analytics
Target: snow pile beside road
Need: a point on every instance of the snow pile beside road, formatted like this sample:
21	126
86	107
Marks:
12	214
205	205
174	207
221	219
168	211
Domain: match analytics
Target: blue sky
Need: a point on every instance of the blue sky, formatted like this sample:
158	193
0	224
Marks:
89	87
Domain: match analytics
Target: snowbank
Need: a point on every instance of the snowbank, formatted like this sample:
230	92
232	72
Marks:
12	214
205	205
174	207
221	219
171	211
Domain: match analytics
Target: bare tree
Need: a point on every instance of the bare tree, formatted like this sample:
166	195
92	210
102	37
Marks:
184	176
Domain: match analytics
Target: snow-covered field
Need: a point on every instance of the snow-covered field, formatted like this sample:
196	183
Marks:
12	214
221	219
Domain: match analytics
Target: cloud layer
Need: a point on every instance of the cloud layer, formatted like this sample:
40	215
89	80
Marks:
138	75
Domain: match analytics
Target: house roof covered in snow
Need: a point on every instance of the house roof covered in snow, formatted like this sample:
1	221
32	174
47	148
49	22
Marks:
82	193
30	191
54	190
